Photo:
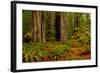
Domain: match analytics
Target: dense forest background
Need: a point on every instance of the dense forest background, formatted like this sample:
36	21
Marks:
56	36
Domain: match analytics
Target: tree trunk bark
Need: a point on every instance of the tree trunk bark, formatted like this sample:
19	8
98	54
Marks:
34	26
63	30
39	26
43	26
52	20
76	22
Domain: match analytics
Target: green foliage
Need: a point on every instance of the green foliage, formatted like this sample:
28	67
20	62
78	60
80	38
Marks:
82	37
27	37
73	43
52	51
50	35
59	49
27	21
33	51
36	51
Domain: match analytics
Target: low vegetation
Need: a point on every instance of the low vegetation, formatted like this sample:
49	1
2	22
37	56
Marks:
54	51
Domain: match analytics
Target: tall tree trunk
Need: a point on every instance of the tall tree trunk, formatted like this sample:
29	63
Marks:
34	26
39	26
52	20
43	26
76	22
69	25
57	25
63	30
73	15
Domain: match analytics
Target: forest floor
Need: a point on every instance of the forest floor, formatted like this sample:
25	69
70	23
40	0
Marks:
40	52
79	52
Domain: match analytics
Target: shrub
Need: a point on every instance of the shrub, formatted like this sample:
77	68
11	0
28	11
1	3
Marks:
35	52
27	37
82	38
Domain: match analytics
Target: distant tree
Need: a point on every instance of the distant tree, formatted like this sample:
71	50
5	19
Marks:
76	22
43	26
